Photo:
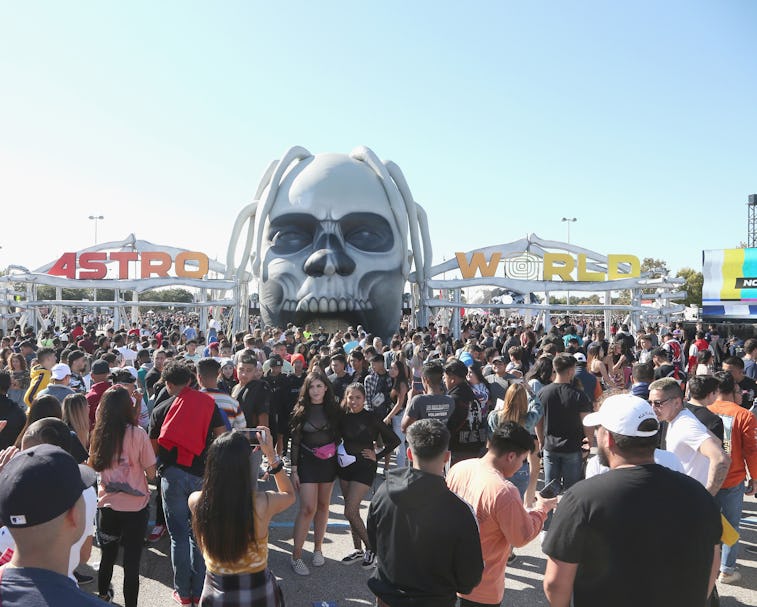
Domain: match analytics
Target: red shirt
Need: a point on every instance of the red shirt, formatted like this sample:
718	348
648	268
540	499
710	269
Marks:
94	396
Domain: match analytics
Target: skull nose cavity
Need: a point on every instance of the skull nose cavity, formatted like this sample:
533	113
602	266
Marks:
329	258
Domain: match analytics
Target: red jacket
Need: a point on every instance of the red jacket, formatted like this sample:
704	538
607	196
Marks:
186	425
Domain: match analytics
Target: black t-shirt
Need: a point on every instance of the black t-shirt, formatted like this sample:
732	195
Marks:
254	399
16	419
78	452
151	378
642	535
168	458
278	387
360	430
563	405
340	385
748	391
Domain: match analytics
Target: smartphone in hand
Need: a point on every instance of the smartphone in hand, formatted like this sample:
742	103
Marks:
254	436
550	490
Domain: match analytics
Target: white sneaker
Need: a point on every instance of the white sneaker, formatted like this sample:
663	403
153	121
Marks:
729	578
318	560
299	567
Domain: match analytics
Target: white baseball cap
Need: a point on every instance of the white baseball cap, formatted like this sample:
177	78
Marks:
60	371
623	414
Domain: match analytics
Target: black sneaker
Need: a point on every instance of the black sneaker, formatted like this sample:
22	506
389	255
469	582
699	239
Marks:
369	559
83	578
353	557
511	558
108	596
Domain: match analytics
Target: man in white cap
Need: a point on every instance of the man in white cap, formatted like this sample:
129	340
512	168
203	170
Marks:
59	382
638	535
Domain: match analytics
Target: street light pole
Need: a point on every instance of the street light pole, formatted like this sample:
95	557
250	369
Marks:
96	218
569	220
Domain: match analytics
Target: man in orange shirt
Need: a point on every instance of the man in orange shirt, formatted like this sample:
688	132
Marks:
740	442
502	519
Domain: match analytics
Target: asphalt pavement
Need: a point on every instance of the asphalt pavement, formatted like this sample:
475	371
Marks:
346	585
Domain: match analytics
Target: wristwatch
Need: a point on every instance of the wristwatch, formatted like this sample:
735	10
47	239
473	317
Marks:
278	466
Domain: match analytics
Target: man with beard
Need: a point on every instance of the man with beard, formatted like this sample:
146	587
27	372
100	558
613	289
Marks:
608	542
466	424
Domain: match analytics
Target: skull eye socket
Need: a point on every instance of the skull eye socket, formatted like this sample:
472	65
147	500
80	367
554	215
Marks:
291	233
367	232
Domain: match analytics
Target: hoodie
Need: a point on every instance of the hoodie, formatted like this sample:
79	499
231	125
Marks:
426	541
40	377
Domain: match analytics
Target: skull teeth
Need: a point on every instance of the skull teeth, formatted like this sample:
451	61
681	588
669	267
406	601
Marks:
325	305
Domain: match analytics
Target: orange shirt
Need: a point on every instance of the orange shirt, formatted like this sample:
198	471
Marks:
502	520
739	440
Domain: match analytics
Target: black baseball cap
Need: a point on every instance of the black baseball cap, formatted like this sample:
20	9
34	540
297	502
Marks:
44	470
100	367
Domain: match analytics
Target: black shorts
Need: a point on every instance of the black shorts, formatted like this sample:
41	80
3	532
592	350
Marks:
362	470
311	469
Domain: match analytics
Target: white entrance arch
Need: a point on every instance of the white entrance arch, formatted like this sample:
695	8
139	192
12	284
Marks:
519	267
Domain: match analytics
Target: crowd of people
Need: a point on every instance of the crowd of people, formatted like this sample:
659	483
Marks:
460	430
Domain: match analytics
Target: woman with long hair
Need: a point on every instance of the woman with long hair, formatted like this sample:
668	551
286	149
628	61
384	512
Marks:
360	429
230	522
398	393
75	414
20	378
315	433
595	363
5	354
540	375
518	407
622	360
121	452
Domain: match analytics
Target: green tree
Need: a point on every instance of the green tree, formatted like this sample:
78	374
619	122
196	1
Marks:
657	267
180	295
693	287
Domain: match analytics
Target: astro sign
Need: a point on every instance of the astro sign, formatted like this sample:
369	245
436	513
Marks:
93	265
555	265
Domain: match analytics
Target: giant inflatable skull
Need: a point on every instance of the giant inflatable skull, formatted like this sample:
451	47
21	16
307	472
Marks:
328	240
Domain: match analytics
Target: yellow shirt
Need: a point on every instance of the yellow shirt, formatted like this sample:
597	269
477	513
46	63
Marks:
255	560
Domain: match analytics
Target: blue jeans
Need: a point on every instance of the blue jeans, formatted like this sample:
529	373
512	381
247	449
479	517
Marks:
401	450
520	479
731	502
567	468
188	565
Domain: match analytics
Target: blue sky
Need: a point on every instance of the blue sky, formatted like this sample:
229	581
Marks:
638	118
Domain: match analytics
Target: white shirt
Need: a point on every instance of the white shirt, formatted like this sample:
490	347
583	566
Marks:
663	458
90	510
685	435
128	355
